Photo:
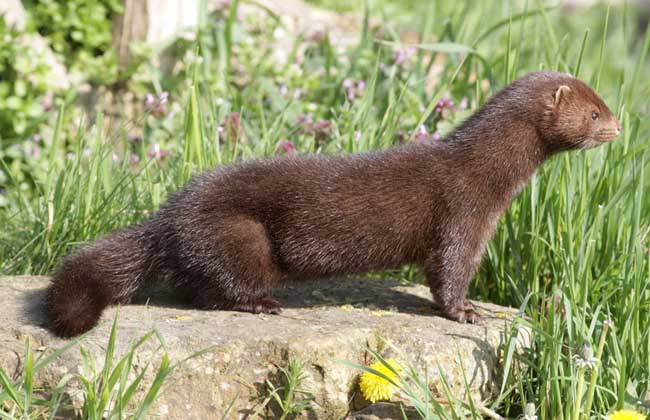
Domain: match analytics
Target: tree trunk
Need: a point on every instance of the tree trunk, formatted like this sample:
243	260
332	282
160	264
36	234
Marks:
154	21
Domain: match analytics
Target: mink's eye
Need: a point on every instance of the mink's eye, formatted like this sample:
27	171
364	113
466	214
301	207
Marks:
594	116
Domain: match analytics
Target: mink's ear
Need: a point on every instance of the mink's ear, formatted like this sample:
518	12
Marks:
560	94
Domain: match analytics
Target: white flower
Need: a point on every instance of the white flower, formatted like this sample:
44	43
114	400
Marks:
586	359
529	412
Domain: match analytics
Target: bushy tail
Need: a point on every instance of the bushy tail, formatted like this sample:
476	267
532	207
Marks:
106	272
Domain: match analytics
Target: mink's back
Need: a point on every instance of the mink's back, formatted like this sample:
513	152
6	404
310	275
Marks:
323	215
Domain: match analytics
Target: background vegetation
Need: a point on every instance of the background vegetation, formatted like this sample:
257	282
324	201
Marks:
573	251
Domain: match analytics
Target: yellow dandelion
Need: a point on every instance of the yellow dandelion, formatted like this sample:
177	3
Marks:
626	415
501	315
374	387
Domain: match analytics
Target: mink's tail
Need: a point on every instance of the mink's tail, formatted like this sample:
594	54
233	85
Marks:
103	273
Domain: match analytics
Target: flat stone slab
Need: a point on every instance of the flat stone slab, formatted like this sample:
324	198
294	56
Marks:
323	323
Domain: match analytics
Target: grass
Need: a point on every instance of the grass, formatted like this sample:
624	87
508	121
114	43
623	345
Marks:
115	391
290	397
18	399
572	252
412	388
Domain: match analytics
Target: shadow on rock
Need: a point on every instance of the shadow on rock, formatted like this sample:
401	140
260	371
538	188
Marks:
377	294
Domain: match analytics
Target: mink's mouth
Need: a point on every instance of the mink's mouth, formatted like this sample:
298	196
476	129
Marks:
605	136
597	139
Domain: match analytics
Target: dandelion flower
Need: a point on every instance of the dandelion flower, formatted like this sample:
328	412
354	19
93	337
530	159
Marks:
529	412
586	358
374	387
626	415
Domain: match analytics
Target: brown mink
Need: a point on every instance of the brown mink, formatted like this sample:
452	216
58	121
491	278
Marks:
233	233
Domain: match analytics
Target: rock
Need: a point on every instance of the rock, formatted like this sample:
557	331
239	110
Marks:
323	323
13	13
384	411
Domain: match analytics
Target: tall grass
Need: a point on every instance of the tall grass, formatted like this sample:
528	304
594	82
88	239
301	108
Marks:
573	249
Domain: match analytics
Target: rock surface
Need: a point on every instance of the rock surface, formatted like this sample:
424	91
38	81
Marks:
323	323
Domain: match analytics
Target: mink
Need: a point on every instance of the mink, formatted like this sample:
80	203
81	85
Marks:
232	234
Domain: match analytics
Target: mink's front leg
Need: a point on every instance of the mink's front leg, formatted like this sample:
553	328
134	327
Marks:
449	271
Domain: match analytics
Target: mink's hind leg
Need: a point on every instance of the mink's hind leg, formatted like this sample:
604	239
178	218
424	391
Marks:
449	275
237	268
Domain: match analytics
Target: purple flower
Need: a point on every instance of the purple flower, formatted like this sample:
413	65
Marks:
31	149
157	152
156	105
285	146
444	103
320	129
421	135
403	55
354	89
304	119
134	160
48	102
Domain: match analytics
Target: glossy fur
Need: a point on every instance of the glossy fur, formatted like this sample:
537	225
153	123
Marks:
233	233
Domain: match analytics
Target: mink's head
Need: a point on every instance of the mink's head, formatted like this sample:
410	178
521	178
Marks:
575	117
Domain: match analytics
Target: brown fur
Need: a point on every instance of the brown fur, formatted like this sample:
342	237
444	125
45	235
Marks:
233	233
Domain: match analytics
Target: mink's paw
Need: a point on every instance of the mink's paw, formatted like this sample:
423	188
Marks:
267	305
263	305
468	306
466	314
